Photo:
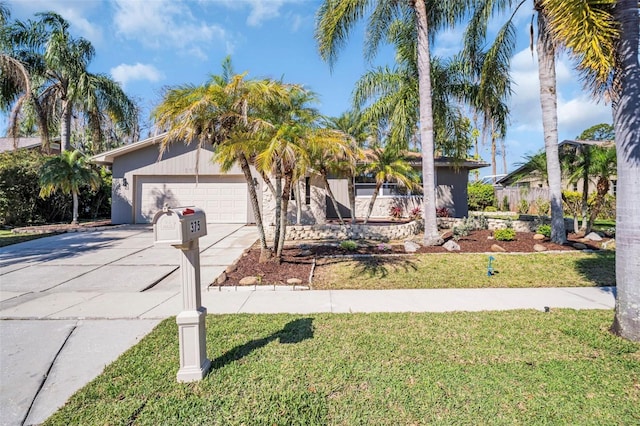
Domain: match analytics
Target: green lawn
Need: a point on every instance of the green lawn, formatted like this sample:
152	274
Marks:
573	269
517	367
7	237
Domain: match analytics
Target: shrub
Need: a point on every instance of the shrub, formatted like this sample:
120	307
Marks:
490	209
348	245
544	230
523	206
480	195
508	234
443	212
505	204
416	213
395	212
384	247
542	206
482	222
464	229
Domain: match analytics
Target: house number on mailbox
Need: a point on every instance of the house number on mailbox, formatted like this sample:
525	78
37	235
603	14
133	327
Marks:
195	225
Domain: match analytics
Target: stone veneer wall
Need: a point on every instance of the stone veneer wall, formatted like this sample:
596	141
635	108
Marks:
518	225
350	232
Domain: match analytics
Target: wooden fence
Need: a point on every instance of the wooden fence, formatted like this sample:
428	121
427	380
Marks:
515	195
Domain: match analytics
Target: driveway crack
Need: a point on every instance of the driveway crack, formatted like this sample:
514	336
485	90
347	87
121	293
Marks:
46	375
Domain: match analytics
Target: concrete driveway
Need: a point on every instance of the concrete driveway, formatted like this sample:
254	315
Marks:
116	273
70	304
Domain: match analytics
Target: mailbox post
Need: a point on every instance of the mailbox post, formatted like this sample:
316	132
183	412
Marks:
182	228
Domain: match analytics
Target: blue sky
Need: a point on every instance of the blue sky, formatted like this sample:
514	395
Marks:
151	44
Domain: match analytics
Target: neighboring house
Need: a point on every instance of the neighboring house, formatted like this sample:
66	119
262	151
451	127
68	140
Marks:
143	182
10	144
536	180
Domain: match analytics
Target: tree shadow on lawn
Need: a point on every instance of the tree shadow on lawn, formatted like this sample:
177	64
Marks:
600	270
293	332
381	266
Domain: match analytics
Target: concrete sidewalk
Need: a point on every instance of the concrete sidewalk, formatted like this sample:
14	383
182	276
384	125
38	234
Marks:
59	332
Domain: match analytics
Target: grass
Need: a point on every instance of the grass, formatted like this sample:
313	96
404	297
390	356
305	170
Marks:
517	367
467	271
8	238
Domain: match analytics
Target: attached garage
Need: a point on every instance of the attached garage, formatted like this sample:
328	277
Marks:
223	198
143	181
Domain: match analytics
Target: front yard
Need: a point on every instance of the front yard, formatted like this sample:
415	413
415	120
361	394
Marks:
570	269
518	367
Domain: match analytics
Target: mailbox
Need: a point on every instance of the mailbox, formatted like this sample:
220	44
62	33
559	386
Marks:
179	226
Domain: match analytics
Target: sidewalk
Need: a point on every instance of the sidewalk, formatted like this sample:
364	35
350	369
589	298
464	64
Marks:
58	336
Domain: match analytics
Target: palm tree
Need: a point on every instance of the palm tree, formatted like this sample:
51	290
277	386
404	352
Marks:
286	150
334	152
226	112
68	172
388	164
626	119
604	36
352	124
546	47
336	18
61	85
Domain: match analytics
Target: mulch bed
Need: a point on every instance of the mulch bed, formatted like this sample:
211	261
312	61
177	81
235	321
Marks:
298	259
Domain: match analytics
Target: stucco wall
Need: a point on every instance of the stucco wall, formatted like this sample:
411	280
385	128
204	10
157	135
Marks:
177	160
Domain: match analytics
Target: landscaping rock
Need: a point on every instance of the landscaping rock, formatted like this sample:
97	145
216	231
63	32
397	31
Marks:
249	281
539	237
305	253
304	246
231	268
411	246
579	246
539	247
593	236
294	281
451	246
609	245
497	248
221	279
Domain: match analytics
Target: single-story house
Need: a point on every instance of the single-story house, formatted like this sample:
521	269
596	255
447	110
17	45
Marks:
11	144
536	180
143	181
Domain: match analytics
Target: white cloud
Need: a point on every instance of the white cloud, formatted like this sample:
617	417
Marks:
167	24
74	12
260	10
125	73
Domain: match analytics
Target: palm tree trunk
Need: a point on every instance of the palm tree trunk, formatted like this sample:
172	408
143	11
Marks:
372	202
585	187
286	190
494	163
548	101
296	188
65	126
431	236
265	253
278	212
74	221
351	187
332	197
626	120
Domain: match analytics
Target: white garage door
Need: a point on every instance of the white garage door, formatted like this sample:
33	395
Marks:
223	198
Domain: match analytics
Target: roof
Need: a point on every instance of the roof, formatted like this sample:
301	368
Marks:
606	144
9	144
415	159
108	156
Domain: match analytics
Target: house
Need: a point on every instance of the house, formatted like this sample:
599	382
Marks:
143	181
10	144
535	179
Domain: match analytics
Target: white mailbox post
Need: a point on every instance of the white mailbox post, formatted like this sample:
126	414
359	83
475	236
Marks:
182	227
